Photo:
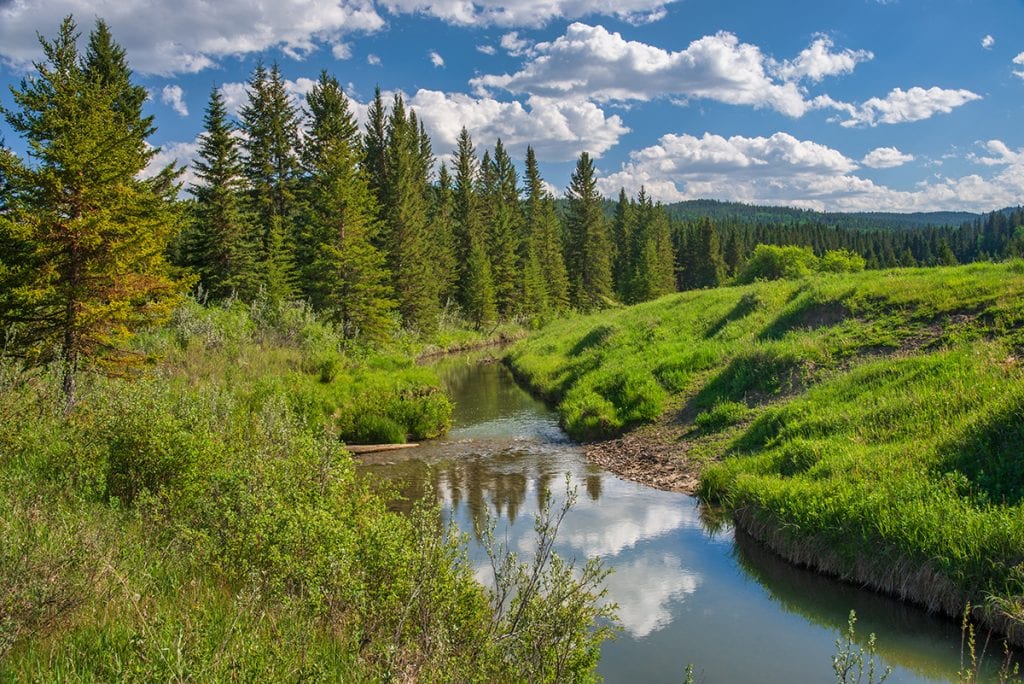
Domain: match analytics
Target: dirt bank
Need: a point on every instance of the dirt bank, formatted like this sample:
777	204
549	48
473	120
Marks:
654	456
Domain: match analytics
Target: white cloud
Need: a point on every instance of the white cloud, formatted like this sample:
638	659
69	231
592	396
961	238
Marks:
886	158
372	60
181	153
900	106
645	588
514	45
558	129
341	50
1019	59
190	35
174	96
530	13
592	62
987	42
436	59
818	61
783	170
486	49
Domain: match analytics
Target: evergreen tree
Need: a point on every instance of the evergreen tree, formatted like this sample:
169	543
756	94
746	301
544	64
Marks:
222	247
733	255
588	248
271	127
544	241
706	265
622	238
945	255
505	230
406	215
443	242
475	283
375	142
279	276
345	273
84	237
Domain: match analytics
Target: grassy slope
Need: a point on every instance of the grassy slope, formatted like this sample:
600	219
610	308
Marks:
870	424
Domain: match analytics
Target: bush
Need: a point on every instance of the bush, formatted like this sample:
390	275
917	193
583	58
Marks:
769	262
841	261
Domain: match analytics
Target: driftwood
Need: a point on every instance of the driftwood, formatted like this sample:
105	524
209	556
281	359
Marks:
372	448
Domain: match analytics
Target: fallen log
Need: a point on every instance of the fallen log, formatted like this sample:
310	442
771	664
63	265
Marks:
372	448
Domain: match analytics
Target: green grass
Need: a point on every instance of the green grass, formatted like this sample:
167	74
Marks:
202	521
875	420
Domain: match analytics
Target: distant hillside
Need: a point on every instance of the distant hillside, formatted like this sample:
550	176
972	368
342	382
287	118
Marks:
748	213
737	212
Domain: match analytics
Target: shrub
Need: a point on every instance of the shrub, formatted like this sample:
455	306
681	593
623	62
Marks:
770	262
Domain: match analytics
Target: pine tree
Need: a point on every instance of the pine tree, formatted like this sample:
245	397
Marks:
544	242
375	143
223	249
406	216
271	125
475	283
505	231
706	265
945	255
344	274
622	238
588	248
443	240
86	234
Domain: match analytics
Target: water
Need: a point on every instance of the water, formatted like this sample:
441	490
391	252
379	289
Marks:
689	588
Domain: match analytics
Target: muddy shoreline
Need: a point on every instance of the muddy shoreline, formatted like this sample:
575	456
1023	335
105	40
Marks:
649	459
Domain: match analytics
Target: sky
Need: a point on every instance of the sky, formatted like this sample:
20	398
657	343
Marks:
836	105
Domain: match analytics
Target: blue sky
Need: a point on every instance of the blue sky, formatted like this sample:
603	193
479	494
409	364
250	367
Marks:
859	105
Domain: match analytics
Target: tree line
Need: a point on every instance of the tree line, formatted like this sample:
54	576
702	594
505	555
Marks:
296	201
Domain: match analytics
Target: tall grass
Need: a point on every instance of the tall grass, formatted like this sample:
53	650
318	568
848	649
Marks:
869	424
203	521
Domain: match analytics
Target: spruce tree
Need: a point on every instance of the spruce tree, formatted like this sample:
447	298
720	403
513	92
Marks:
505	231
345	274
707	269
375	142
84	237
544	240
271	125
406	216
622	239
443	237
475	283
223	248
589	246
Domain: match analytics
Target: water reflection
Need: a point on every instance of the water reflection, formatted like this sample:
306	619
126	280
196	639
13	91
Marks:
689	590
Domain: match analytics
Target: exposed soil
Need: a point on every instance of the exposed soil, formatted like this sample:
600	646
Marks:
653	456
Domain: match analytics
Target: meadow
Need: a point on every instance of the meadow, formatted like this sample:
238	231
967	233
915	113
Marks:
870	425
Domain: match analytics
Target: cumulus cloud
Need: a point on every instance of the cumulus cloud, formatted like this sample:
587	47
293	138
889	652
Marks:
886	158
1019	60
372	60
557	129
190	35
987	42
818	61
436	59
781	169
180	153
174	96
514	45
900	106
592	62
530	13
486	49
341	51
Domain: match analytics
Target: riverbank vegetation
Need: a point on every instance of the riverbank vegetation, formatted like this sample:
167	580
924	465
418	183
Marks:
176	500
867	424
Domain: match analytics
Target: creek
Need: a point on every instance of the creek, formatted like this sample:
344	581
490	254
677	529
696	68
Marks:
690	589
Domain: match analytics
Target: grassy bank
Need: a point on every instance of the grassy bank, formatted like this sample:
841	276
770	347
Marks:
201	520
870	425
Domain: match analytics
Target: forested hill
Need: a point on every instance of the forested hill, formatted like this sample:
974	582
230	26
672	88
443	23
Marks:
737	212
